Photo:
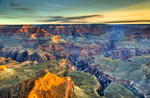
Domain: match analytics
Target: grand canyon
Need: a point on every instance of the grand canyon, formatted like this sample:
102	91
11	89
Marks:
75	61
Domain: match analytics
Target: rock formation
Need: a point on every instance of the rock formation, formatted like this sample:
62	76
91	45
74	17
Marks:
52	86
58	39
2	67
48	85
117	91
39	33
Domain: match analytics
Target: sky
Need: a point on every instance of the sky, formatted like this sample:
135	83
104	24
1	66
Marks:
74	12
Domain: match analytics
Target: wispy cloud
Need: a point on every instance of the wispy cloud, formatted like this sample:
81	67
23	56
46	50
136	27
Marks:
126	21
30	16
70	19
14	4
22	9
19	7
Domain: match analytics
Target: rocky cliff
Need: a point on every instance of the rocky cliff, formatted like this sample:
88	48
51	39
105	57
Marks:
52	86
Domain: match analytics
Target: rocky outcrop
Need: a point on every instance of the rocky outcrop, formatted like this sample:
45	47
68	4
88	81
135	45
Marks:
18	90
118	91
47	85
52	86
20	56
58	39
39	33
2	67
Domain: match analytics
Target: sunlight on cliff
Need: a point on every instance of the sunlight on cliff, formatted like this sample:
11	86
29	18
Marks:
58	39
2	67
52	86
33	36
63	62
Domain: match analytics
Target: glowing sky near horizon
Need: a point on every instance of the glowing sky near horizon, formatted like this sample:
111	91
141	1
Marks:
74	11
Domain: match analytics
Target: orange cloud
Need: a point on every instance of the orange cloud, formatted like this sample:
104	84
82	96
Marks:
131	14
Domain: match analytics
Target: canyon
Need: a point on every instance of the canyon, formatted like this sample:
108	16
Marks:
109	54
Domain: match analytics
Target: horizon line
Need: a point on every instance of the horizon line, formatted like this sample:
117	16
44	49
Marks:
83	24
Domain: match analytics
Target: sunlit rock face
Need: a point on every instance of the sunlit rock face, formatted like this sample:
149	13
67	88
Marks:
39	33
52	86
2	67
24	30
44	85
58	39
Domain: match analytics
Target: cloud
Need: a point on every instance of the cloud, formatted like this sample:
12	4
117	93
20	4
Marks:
19	6
13	17
14	4
28	16
57	17
128	21
76	19
22	9
83	17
